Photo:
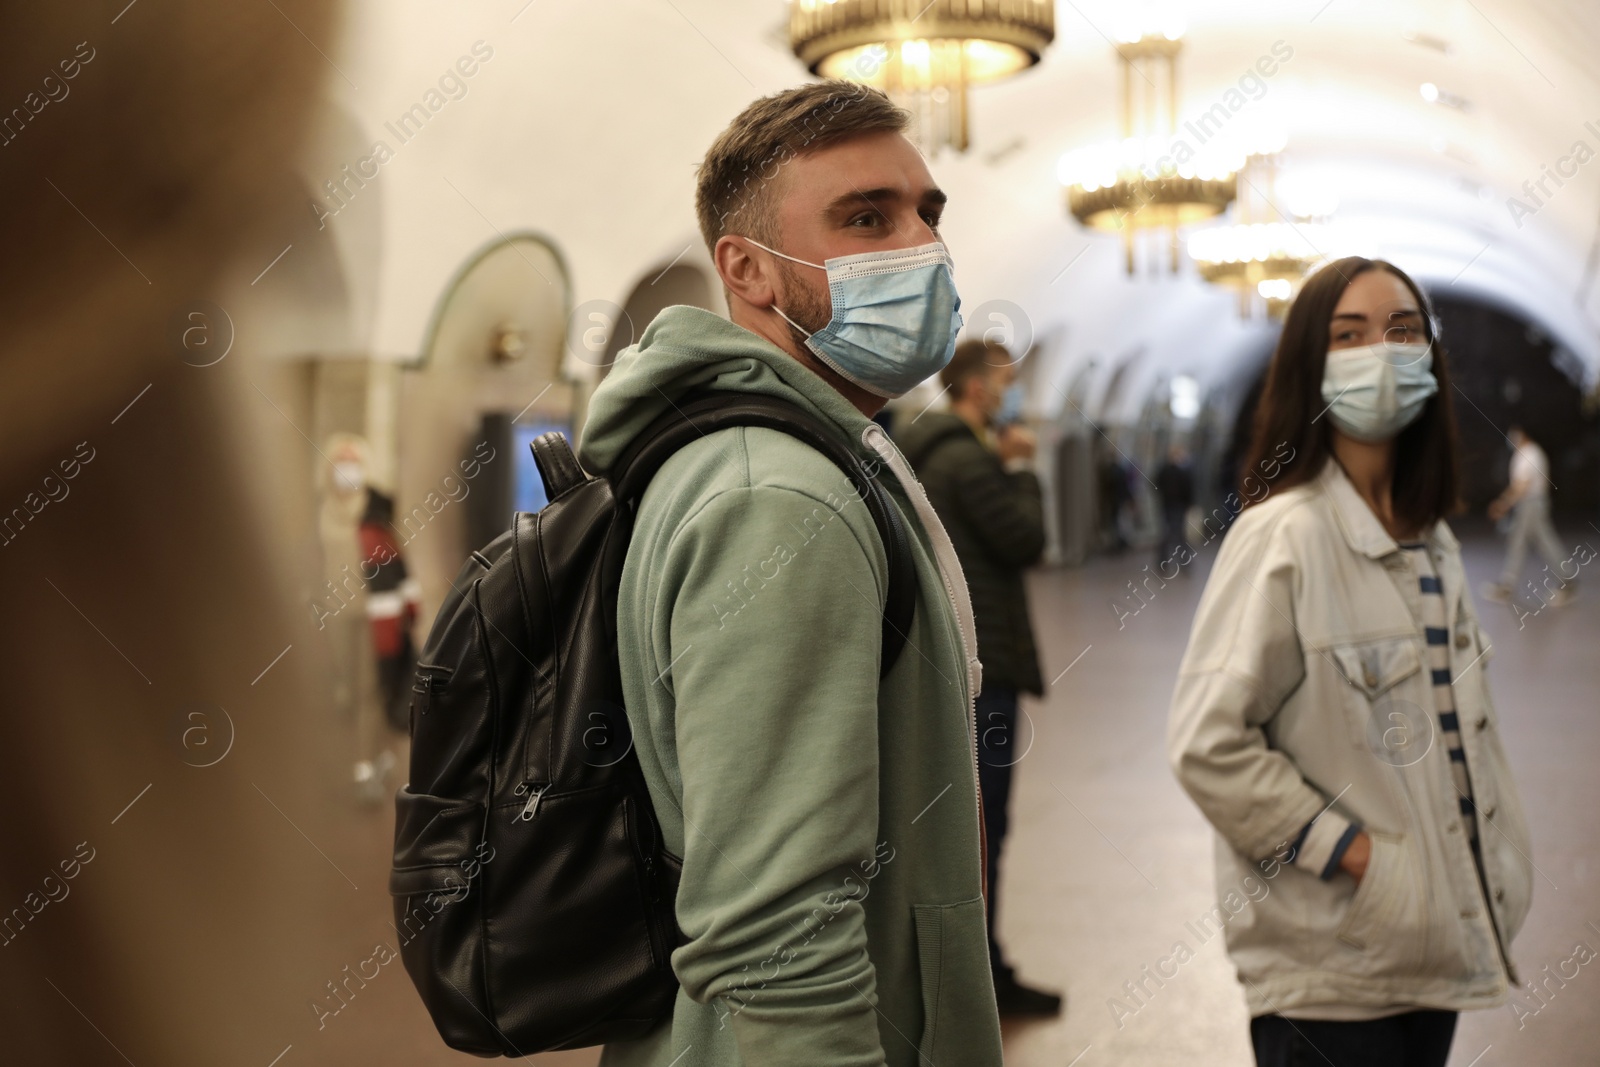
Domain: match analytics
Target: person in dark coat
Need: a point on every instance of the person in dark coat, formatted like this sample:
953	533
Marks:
975	461
1176	486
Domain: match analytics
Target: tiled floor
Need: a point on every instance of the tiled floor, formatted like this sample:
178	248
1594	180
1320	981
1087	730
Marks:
1109	859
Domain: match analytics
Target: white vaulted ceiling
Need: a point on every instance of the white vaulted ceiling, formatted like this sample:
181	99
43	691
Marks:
587	123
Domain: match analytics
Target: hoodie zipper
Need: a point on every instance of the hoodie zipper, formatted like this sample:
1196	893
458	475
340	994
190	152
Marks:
874	438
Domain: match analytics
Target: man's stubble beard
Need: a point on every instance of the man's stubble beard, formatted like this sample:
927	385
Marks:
812	311
808	309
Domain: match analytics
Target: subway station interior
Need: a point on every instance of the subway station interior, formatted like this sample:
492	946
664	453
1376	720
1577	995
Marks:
289	280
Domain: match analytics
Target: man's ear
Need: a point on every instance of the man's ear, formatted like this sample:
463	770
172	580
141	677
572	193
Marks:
745	275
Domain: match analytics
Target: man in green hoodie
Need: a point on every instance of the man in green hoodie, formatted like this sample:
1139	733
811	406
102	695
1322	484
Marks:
831	899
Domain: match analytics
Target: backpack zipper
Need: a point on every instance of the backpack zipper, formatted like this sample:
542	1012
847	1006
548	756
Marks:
531	808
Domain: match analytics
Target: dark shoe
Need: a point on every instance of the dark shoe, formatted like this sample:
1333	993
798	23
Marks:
1014	998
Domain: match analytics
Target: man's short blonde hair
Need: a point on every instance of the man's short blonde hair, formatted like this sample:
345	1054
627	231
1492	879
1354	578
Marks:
738	179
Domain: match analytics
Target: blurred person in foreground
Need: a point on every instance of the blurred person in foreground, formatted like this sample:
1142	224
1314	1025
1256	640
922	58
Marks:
159	909
1332	717
989	500
828	821
1527	501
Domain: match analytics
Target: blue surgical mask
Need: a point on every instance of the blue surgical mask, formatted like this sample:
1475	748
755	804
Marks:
1375	391
895	316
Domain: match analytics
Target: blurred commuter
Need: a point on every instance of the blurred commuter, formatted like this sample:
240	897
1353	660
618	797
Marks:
1112	483
989	499
340	607
831	896
1175	484
393	596
367	608
168	911
1332	718
1527	502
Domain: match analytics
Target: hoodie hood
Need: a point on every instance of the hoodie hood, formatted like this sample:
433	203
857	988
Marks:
919	436
689	348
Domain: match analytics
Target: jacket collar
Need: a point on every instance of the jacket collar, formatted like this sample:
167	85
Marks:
918	442
1361	528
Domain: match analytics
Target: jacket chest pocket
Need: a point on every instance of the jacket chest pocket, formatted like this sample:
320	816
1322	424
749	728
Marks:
1392	726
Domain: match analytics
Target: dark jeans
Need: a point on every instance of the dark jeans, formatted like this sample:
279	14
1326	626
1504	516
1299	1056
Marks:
1412	1039
999	748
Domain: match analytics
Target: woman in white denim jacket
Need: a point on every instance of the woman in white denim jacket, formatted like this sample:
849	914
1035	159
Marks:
1332	718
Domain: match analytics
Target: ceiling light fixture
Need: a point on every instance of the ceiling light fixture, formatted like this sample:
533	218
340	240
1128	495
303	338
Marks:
1152	179
923	53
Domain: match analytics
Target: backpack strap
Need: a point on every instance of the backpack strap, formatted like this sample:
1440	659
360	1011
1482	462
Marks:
706	412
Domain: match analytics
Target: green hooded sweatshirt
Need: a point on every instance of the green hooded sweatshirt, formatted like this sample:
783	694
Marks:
828	823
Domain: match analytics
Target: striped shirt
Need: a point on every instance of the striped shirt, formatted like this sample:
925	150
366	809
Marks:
1437	628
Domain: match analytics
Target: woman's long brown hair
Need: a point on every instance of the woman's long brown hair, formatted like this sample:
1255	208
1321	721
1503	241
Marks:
1425	476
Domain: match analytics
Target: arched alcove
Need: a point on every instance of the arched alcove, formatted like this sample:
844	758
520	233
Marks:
678	284
492	356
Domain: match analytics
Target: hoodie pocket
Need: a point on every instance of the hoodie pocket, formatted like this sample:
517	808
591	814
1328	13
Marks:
960	1024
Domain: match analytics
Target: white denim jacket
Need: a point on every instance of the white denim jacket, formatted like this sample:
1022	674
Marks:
1305	694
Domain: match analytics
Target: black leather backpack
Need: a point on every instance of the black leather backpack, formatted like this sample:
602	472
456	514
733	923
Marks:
532	895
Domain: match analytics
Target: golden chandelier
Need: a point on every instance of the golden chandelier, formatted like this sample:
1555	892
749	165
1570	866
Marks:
922	53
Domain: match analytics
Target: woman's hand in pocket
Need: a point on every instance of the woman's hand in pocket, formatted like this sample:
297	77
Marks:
1356	855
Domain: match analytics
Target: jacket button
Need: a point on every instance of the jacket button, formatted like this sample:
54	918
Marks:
1469	914
1370	677
1483	723
1455	826
1499	896
1462	640
1488	813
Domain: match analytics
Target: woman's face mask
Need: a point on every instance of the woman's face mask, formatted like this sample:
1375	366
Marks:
348	476
1375	391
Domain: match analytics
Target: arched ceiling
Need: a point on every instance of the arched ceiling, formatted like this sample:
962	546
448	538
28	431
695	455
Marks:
587	123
